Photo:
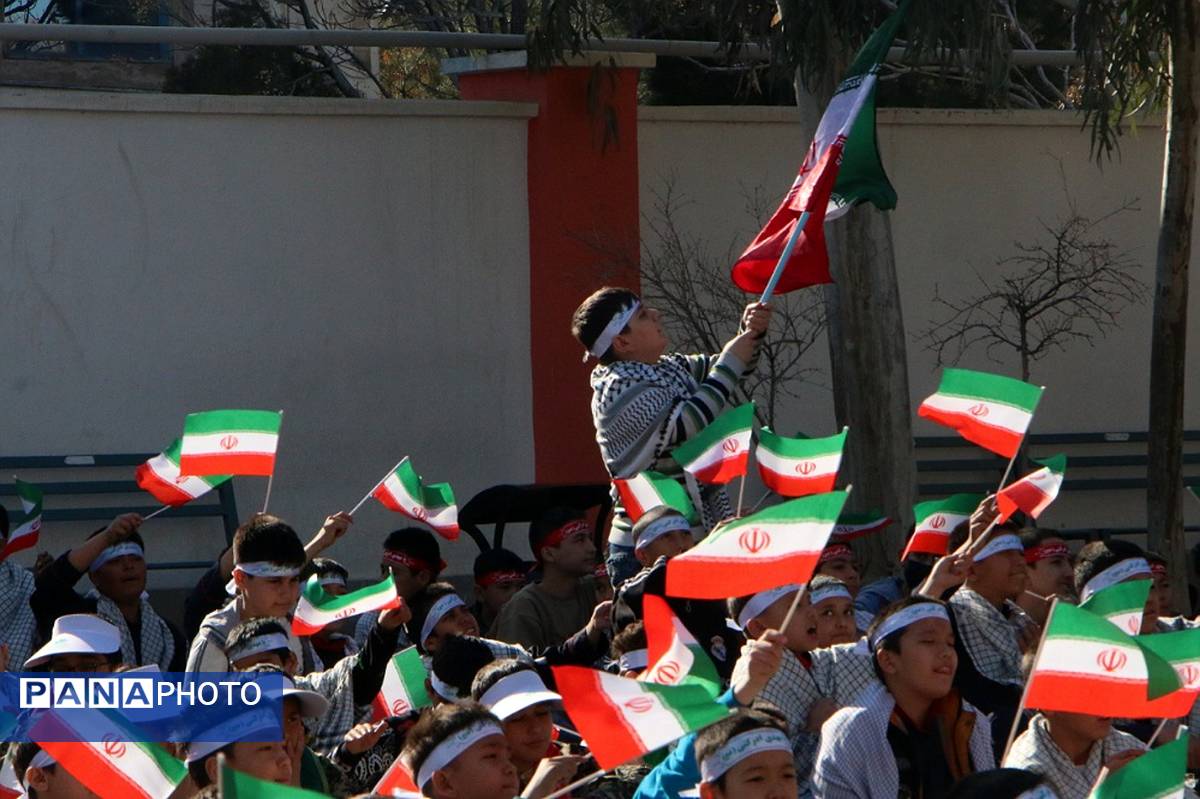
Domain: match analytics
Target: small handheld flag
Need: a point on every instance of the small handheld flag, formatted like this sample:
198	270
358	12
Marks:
721	451
160	477
649	490
1157	774
403	687
673	654
403	491
316	609
797	467
1034	492
24	529
239	785
936	520
1122	604
1182	650
856	525
990	410
230	442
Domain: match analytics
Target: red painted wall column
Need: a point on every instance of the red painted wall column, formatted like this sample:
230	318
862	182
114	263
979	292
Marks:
582	176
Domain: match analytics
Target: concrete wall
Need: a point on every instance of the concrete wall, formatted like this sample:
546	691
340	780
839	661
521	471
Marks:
363	266
970	185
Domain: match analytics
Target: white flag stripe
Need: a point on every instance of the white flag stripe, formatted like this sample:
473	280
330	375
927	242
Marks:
247	443
643	492
843	107
717	452
1102	659
444	517
787	466
139	766
781	539
677	653
1005	417
951	520
651	722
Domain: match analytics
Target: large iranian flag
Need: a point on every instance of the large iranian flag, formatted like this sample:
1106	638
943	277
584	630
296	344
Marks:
1087	665
673	654
160	476
238	785
773	547
403	687
856	525
403	491
1034	492
721	451
622	719
316	609
649	490
1122	604
992	411
841	168
1157	774
936	520
797	467
230	442
1182	650
114	765
24	529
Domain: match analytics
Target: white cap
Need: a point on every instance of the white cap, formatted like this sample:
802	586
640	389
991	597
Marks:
78	634
515	692
242	727
312	704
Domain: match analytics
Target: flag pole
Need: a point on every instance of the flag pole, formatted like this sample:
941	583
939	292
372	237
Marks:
792	610
163	509
271	476
362	501
761	500
1012	732
783	259
1157	731
1012	461
741	494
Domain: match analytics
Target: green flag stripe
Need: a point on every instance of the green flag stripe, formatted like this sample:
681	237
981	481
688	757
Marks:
725	425
956	503
691	705
994	388
800	447
235	421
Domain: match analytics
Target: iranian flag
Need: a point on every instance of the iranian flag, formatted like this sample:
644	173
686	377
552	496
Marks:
403	686
1122	604
24	529
797	467
403	491
230	442
1157	774
1087	665
1034	492
841	168
992	411
674	655
719	452
238	785
936	520
114	765
649	490
1182	650
856	525
622	719
396	781
773	547
316	609
160	476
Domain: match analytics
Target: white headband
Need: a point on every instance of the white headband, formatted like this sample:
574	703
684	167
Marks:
444	690
740	747
516	692
763	600
440	608
259	644
1001	543
832	591
906	617
612	330
117	551
444	753
1042	791
635	660
265	568
1117	573
660	527
41	760
333	579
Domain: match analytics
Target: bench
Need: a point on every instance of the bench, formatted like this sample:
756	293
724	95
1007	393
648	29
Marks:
1114	461
77	476
502	504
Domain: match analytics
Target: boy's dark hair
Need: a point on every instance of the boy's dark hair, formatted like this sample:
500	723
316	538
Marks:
650	517
421	605
736	604
631	639
594	314
1153	557
548	522
268	538
436	725
495	671
963	530
459	659
1097	556
196	767
323	567
1033	536
250	629
498	559
712	738
420	544
135	537
997	783
22	755
892	642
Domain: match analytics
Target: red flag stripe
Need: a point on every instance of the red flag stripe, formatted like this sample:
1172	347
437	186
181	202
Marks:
249	463
701	579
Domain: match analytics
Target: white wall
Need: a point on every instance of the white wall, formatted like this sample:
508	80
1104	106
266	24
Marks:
363	266
970	183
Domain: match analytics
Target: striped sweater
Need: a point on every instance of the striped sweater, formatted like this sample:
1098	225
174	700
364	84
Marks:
643	411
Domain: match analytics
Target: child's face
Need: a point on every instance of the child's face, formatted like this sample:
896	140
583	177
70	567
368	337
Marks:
835	622
496	595
529	734
766	775
669	544
645	340
801	633
844	570
484	771
458	621
268	596
926	661
266	760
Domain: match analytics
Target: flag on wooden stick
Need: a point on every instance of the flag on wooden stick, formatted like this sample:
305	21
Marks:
403	688
1034	492
936	520
316	609
24	529
160	476
403	491
649	490
797	467
673	655
229	442
1122	604
721	451
990	410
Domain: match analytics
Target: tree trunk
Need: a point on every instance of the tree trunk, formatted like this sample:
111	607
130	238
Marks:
868	362
1164	497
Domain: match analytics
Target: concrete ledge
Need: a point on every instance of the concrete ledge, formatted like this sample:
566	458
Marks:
138	103
736	115
519	59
